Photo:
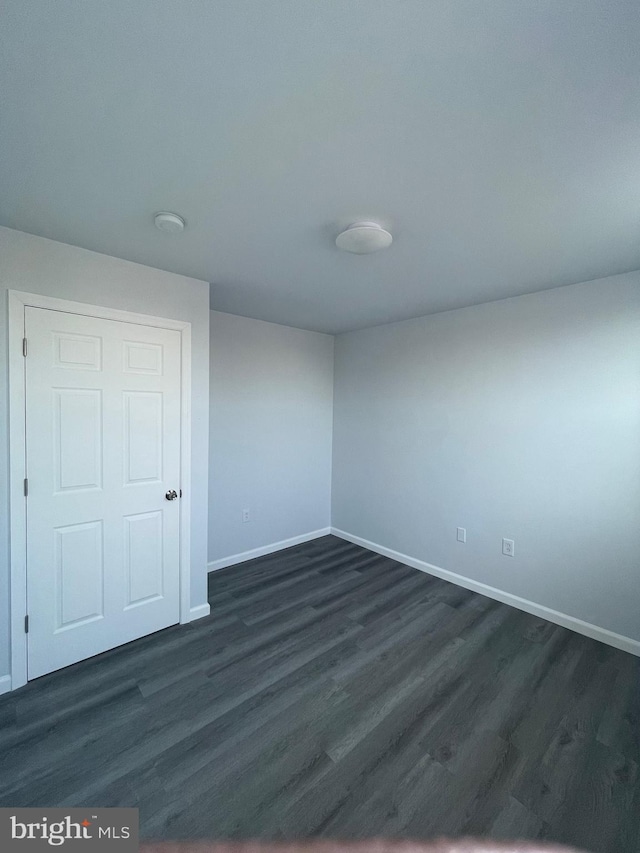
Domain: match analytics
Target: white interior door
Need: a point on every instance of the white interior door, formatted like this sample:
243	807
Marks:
103	449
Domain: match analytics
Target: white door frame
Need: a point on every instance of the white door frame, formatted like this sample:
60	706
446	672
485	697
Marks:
18	301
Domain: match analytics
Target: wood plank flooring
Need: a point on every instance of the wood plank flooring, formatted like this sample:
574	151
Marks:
334	692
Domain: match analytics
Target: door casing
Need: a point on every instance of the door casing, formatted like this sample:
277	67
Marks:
17	455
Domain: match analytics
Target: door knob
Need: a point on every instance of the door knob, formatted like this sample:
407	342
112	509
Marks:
171	495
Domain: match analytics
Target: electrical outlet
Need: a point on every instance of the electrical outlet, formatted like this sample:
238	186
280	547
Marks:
461	534
246	515
508	547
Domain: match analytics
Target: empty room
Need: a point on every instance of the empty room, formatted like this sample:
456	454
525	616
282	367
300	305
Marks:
320	425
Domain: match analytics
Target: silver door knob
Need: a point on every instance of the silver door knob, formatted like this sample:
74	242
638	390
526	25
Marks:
171	495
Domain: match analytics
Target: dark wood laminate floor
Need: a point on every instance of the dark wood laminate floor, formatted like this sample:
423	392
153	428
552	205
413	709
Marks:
334	692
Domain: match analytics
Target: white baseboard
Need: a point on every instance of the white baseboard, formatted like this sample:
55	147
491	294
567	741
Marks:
618	641
266	549
199	612
5	684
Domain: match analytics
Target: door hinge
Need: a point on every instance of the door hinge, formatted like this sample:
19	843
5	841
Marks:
24	347
26	487
26	624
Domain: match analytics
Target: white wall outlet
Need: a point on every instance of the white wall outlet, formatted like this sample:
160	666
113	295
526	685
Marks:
246	515
461	534
508	547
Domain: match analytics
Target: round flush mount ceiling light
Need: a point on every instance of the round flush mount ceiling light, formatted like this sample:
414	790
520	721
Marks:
170	223
361	238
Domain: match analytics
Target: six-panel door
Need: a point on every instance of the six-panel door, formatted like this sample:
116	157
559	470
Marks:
103	448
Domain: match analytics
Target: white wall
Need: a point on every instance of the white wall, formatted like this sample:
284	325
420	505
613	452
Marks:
37	265
271	424
517	419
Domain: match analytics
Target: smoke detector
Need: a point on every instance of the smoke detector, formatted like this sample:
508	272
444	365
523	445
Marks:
361	238
170	223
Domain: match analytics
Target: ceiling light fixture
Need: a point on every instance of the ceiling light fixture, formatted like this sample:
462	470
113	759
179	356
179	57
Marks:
170	223
361	238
